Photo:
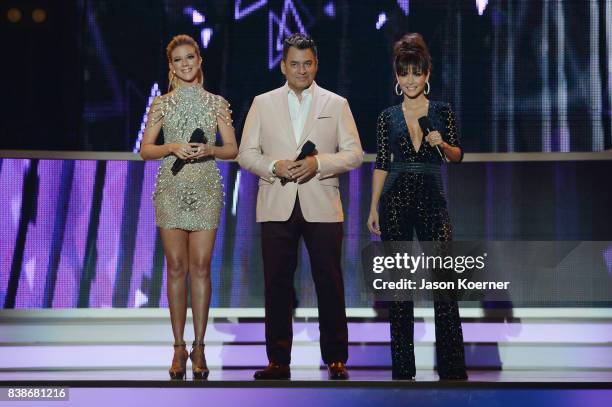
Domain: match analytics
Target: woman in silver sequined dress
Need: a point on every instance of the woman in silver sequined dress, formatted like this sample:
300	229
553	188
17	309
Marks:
188	202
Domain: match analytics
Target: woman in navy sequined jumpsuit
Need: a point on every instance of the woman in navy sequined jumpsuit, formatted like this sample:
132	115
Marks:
408	187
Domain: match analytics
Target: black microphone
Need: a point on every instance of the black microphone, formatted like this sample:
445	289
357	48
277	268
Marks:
196	137
307	149
427	128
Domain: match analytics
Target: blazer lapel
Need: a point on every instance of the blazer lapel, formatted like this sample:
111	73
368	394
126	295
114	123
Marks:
280	99
319	100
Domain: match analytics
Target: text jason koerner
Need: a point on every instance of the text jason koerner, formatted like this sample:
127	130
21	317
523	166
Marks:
461	284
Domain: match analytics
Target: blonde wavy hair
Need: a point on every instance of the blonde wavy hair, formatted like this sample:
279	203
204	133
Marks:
177	41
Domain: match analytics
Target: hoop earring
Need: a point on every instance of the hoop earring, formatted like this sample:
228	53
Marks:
398	89
428	88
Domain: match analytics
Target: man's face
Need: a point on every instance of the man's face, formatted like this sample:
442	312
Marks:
300	68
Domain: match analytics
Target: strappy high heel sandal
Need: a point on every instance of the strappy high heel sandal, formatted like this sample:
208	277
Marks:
198	364
179	362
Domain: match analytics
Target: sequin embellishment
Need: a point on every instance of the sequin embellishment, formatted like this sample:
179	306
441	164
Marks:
192	199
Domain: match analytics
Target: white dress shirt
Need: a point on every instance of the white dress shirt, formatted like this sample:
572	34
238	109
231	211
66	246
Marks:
298	113
298	110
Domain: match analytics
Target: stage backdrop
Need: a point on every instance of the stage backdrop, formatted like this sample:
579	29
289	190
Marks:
522	75
82	233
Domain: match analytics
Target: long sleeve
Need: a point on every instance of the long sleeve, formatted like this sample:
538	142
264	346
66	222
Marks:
382	142
250	155
350	153
452	128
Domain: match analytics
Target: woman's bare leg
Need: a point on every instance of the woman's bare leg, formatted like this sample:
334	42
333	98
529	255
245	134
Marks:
176	250
201	245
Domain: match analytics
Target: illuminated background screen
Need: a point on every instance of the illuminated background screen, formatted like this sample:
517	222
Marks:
522	75
82	233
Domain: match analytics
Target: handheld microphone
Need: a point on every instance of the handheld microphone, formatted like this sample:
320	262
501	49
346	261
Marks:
196	137
307	149
427	128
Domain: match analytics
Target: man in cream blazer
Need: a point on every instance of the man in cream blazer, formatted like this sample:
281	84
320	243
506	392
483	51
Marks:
301	199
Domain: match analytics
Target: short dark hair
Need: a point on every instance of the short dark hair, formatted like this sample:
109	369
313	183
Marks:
411	52
299	41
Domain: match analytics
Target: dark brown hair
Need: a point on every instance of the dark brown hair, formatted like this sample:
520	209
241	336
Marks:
299	41
410	52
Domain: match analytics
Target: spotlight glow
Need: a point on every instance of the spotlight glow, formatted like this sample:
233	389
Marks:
330	9
405	6
382	19
13	15
481	5
235	193
39	16
197	17
205	35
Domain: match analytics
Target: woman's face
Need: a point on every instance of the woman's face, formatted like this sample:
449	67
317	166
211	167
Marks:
413	83
185	63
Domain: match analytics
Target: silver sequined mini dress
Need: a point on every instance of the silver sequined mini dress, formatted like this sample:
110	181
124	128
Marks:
192	199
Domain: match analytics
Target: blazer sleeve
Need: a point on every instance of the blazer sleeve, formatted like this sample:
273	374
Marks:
250	154
349	154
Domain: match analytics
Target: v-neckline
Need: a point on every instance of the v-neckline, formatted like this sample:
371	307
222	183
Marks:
408	128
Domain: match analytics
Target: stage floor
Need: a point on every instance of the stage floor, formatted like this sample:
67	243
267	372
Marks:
310	387
308	378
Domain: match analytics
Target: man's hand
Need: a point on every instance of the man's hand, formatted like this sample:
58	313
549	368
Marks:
303	170
282	169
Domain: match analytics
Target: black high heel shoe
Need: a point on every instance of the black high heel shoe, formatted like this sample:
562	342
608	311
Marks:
198	367
179	362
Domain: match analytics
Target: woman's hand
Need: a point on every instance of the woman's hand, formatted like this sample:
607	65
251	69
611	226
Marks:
202	150
373	223
434	139
183	151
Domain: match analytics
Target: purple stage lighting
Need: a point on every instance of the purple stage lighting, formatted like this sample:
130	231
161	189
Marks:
382	19
152	95
275	44
240	12
405	6
481	5
330	9
197	17
205	35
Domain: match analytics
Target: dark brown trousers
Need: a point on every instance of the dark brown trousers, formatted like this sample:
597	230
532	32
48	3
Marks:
280	242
